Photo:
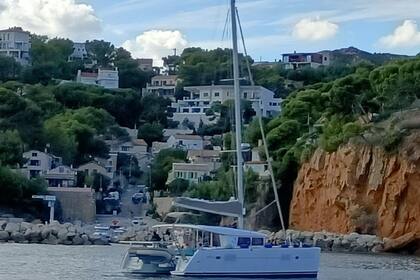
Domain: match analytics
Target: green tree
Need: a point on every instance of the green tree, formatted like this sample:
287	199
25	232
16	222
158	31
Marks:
9	68
101	51
11	148
150	132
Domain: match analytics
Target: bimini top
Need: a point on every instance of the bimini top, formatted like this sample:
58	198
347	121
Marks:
215	229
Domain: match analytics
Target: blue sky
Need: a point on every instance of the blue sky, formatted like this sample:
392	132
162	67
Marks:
151	28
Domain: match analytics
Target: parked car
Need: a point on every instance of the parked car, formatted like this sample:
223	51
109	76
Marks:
138	221
137	198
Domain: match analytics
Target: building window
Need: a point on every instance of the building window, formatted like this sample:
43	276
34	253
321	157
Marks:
216	94
61	169
206	94
34	154
185	110
245	95
125	148
34	163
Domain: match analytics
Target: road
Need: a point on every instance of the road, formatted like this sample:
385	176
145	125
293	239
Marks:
128	209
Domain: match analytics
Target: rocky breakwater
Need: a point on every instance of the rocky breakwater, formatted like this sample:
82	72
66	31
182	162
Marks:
54	233
353	242
362	188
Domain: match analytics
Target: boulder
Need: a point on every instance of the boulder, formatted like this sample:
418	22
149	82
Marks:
24	226
85	238
3	224
12	227
67	242
400	242
324	244
77	240
352	237
67	225
62	234
51	240
17	236
101	241
4	235
71	235
45	232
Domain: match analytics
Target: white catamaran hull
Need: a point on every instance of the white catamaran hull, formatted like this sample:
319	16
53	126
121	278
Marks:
251	262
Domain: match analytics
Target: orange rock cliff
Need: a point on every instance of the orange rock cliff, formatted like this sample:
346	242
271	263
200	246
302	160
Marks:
360	188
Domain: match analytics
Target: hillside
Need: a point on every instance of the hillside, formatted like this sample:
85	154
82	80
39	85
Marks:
352	55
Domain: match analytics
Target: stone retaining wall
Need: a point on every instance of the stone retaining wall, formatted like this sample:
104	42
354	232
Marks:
327	241
54	233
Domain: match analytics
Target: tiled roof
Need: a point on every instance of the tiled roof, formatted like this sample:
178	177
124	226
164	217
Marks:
88	74
139	142
192	167
203	153
187	137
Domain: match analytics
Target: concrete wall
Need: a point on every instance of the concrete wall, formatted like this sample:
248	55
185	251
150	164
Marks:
76	203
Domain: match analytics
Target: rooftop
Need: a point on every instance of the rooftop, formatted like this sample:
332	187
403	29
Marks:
15	29
139	142
192	167
203	153
187	137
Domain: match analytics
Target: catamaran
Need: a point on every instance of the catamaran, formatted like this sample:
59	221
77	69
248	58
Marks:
230	252
207	251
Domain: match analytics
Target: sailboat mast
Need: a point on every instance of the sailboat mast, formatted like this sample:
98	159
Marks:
238	122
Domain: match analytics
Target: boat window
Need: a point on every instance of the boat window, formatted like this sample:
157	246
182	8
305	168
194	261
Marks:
257	241
244	242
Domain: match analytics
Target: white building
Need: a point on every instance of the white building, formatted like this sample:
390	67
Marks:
38	163
106	78
194	107
210	157
192	172
92	168
110	164
79	52
257	165
61	176
15	42
185	142
303	60
162	85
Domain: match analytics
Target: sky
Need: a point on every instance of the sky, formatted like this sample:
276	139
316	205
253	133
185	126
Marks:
153	28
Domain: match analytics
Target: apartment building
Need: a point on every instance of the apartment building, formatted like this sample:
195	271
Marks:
201	98
162	85
15	42
79	52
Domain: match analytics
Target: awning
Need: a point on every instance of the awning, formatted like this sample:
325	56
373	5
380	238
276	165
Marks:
231	208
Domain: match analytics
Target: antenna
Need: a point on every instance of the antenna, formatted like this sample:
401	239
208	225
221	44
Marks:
174	51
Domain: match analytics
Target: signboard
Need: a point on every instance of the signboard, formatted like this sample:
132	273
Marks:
45	197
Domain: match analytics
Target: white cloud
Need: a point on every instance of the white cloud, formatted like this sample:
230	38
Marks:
156	44
63	18
314	29
405	35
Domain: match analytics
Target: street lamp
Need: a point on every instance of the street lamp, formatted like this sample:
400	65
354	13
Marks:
150	175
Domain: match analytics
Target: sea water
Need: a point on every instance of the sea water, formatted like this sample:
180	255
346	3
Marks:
56	262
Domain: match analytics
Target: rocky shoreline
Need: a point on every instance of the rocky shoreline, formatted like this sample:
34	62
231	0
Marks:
76	234
331	242
53	234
